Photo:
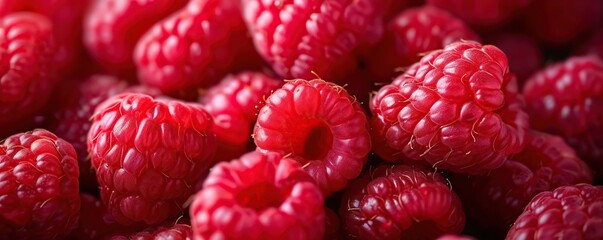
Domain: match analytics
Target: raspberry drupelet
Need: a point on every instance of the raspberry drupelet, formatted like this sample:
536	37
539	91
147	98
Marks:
457	109
320	126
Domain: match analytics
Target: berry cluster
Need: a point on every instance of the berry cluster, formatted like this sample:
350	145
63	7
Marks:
301	119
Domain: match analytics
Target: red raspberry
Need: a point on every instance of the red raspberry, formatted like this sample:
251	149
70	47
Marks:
333	228
28	76
454	237
74	106
401	202
559	22
592	45
523	53
148	154
567	99
175	232
413	33
496	199
193	48
325	37
92	223
259	196
234	104
320	126
569	212
112	28
39	195
482	13
459	111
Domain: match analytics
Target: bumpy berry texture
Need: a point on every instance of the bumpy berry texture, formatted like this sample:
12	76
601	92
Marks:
39	192
325	37
259	196
567	99
498	198
320	126
113	27
194	47
28	76
93	222
234	104
413	33
523	54
457	110
484	13
401	202
173	232
148	154
569	212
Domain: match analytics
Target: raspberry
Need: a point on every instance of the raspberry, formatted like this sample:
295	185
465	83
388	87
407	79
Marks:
454	237
177	54
333	228
498	198
413	33
567	99
401	202
320	126
482	13
74	107
558	22
234	104
569	212
325	37
523	53
28	76
148	154
112	28
92	223
175	232
259	196
457	110
592	45
39	195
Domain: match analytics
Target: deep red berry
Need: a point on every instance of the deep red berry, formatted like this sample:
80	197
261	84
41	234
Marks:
592	45
148	154
113	27
333	228
320	126
234	104
93	222
454	237
567	99
259	196
325	37
39	192
483	13
569	212
172	232
496	199
411	35
457	110
523	53
558	22
195	47
401	202
28	75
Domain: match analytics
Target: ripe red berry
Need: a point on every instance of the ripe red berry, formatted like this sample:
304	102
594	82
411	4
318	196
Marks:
28	75
413	33
482	13
401	202
148	154
195	47
93	222
497	198
325	37
259	196
171	232
456	110
569	212
39	194
113	27
567	99
234	104
523	53
320	126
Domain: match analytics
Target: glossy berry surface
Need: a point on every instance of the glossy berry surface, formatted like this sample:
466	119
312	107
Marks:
456	110
258	196
496	199
148	154
39	192
320	126
400	202
566	98
569	212
234	104
325	37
